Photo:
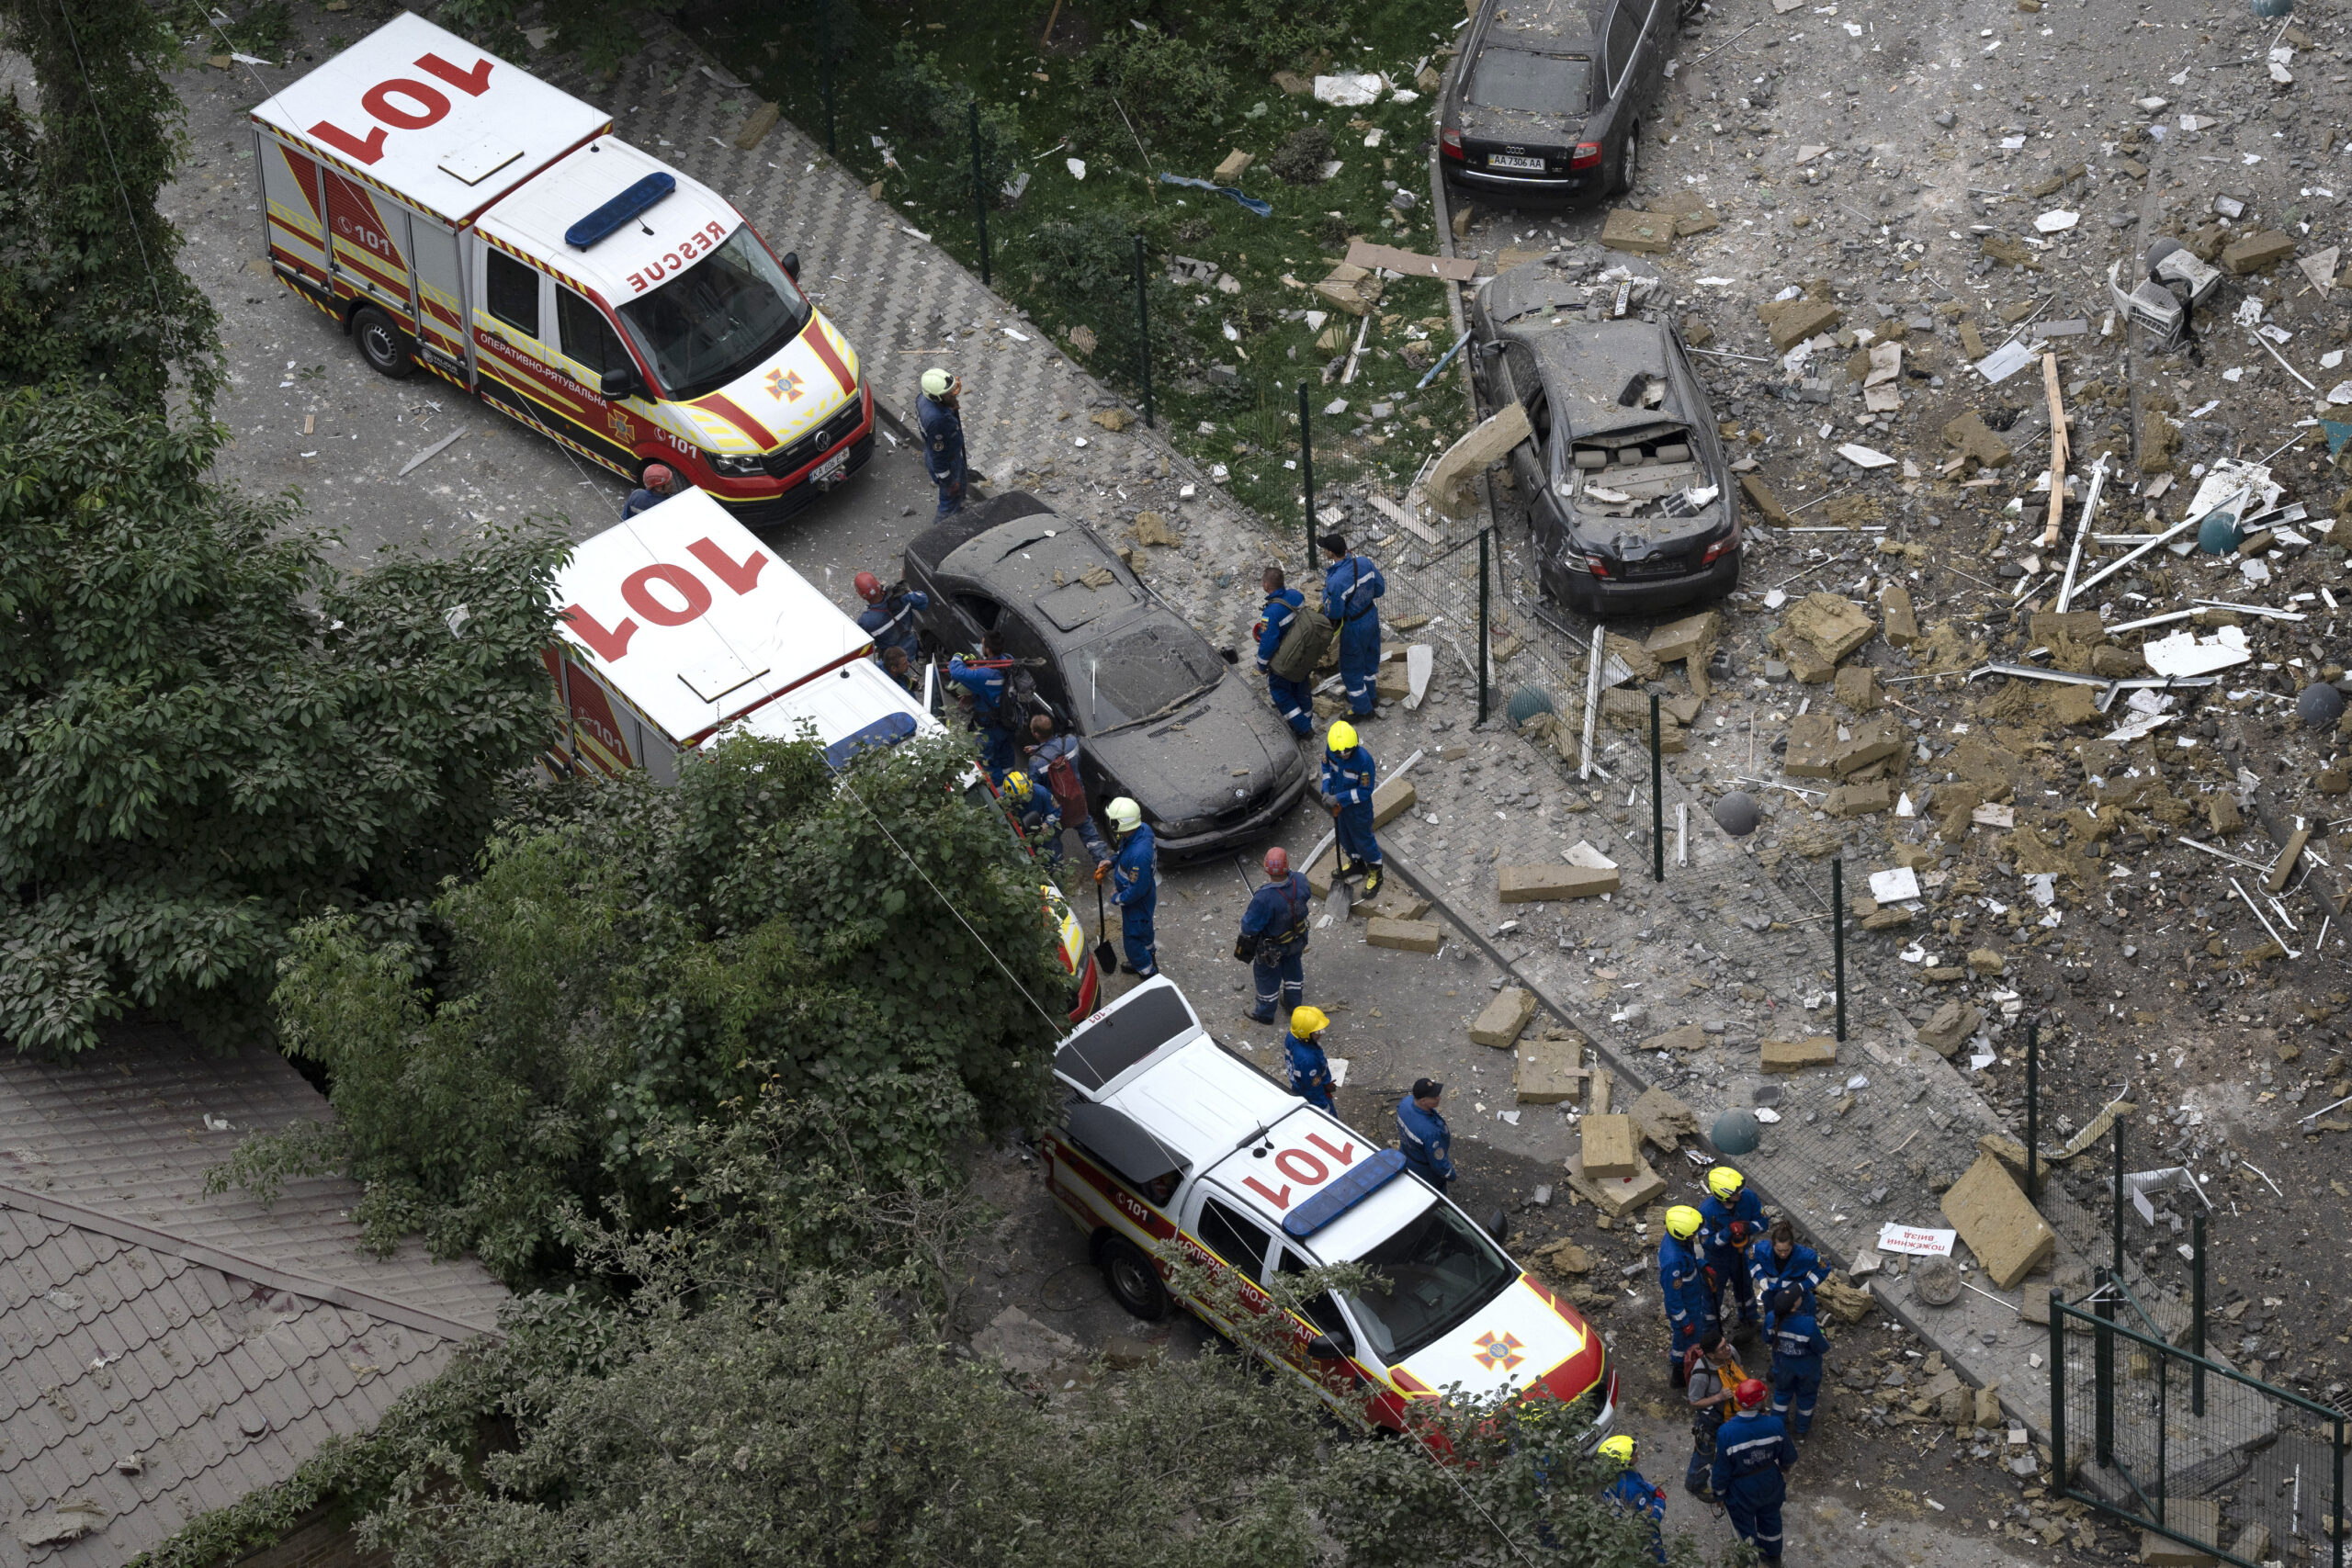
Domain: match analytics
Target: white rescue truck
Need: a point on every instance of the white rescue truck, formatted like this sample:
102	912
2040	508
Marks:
1173	1141
450	209
678	627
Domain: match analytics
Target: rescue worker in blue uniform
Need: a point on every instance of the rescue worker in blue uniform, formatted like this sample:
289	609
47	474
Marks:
1752	1453
1421	1133
1295	700
1798	1346
1777	1262
1054	757
1310	1069
659	483
1273	937
1348	773
1734	1217
941	419
1032	810
984	682
1682	1285
1135	885
1630	1493
1710	1372
889	615
1351	584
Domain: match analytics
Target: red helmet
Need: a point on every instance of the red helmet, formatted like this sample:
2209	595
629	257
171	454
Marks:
1278	861
1749	1393
657	477
869	587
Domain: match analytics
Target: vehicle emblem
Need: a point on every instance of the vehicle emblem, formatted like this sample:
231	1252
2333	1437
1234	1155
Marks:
785	386
825	439
620	424
1498	1351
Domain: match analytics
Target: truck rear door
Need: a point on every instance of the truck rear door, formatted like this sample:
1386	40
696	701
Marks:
441	298
367	247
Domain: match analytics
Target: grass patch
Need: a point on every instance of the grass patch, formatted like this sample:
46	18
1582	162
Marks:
1194	83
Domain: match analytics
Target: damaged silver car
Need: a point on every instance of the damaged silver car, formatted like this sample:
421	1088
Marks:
1632	502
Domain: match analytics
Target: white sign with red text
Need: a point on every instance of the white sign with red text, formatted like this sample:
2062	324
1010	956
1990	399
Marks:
1915	1241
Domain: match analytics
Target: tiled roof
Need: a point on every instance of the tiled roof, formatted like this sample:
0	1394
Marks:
163	1352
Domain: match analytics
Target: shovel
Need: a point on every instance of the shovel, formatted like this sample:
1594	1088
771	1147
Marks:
1106	957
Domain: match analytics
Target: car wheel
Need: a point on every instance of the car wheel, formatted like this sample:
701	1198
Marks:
1134	1282
386	347
1629	159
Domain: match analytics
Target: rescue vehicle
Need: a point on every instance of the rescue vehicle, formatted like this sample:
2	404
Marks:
1174	1142
451	211
677	628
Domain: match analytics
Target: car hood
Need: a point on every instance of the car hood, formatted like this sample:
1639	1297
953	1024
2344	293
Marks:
1524	1339
1226	744
782	398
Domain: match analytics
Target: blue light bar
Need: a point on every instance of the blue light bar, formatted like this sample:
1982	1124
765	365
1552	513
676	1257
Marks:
1383	1166
619	210
888	730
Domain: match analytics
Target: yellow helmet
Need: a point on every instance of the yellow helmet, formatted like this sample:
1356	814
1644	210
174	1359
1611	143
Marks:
1682	1222
1124	814
1724	1182
1342	737
1307	1022
1618	1450
1016	785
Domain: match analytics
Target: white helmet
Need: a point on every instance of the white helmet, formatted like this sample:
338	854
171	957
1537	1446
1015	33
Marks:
1124	814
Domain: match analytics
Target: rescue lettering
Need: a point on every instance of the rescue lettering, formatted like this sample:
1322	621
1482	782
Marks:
737	575
691	249
424	106
1302	1166
1345	1153
1279	1200
610	644
637	590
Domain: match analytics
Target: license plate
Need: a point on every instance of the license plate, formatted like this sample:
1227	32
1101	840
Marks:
1513	161
830	469
1655	567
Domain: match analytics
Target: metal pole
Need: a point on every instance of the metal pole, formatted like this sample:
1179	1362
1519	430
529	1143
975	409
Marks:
1837	935
2115	1217
1306	471
1483	610
825	63
2033	1114
2335	1520
2058	1477
2103	1372
2197	1313
1658	803
2164	1400
1143	333
980	191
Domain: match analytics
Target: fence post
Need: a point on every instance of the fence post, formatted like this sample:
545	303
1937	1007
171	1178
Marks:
980	191
2335	1514
2197	1313
2115	1220
1143	331
2164	1400
1657	798
825	62
1483	538
2103	1372
1306	472
2033	1114
1837	935
2058	1392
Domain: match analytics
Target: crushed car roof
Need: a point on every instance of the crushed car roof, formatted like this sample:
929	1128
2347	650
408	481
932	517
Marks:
1590	367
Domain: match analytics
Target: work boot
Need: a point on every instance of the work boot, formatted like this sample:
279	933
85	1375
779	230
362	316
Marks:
1372	882
1257	1016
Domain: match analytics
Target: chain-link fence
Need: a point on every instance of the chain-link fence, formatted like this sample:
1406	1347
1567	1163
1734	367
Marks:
2188	1448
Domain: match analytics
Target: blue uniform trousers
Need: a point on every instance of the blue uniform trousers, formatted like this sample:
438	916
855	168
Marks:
1728	1270
1295	700
1138	938
1354	826
1282	983
1757	1518
1796	1384
1358	658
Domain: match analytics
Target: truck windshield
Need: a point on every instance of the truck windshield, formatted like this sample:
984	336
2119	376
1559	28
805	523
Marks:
1433	1272
717	318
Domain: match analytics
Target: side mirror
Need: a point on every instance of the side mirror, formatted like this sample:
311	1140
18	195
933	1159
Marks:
617	383
1499	1226
1229	655
1323	1347
792	266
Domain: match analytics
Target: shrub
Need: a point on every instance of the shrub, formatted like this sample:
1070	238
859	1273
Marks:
935	112
1169	88
1269	33
1299	159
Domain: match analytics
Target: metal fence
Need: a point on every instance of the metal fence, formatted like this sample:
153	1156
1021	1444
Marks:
2187	1447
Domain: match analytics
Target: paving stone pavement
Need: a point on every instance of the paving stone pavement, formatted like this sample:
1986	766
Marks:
1656	957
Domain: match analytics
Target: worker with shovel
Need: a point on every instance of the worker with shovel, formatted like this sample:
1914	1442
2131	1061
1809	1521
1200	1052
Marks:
1273	937
1348	773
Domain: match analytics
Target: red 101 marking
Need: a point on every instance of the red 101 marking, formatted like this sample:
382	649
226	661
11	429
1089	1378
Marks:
1302	1167
404	104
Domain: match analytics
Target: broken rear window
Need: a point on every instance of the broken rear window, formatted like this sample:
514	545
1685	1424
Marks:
1528	83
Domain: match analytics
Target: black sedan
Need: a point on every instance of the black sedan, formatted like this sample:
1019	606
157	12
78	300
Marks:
1633	505
1547	101
1161	718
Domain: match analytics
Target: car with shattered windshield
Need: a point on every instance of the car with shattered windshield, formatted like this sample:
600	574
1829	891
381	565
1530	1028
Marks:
1159	717
1629	498
1547	103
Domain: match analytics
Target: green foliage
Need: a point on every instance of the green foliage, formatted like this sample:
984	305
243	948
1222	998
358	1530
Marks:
490	23
207	733
1270	33
90	288
634	959
933	116
1084	268
1152	84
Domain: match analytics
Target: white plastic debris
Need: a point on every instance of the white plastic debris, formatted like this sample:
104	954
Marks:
2186	653
1077	168
1864	456
1347	90
2055	222
1893	886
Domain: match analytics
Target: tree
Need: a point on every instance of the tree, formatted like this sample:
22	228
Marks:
635	958
90	287
208	734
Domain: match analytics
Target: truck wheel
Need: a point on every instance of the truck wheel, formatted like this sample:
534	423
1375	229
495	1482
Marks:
384	345
1133	1280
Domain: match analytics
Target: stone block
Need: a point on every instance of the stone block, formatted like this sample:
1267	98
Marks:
1646	233
1448	485
1893	918
1812	747
1320	875
1795	1055
1865	741
1394	902
1689	1037
1988	1405
2010	1152
1984	960
1976	443
2009	1237
2067	625
1798	320
1662	1119
1862	800
2253	1543
1808	664
1540	883
1760	496
2221	812
1902	618
1234	162
2258	251
1390	683
2199	1518
1549	1071
1406	936
1611	1147
1680	639
1856	687
1393	798
2073	705
1499	1023
1832	623
1950	1026
1616	1195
